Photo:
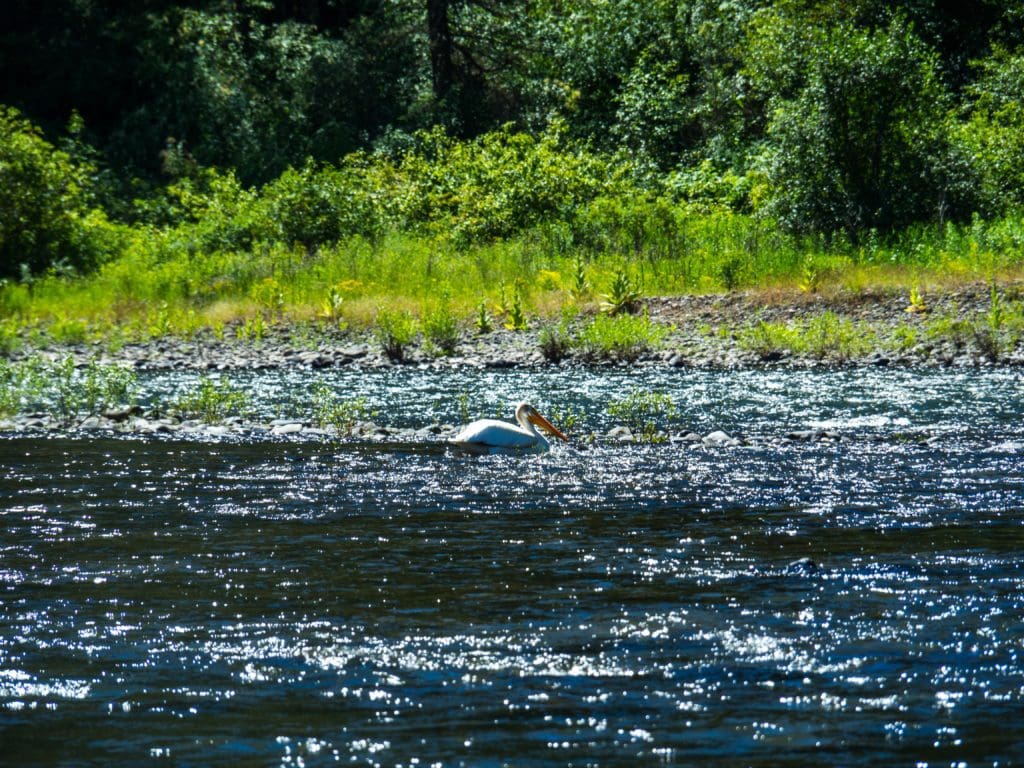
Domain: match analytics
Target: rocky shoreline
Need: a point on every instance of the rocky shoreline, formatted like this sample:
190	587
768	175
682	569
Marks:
704	332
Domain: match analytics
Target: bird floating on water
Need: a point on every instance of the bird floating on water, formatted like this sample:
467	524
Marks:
493	436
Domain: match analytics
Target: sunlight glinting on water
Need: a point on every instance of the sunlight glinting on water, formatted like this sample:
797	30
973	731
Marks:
308	601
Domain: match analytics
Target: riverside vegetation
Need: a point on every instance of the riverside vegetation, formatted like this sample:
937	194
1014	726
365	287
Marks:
557	187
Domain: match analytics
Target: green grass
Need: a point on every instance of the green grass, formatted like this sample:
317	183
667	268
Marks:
620	337
825	336
212	400
647	414
160	285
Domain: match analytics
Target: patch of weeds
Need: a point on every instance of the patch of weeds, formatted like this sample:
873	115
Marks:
341	415
622	337
623	295
555	340
253	329
825	336
810	277
950	328
68	392
68	330
580	286
212	400
331	306
159	323
21	385
483	321
769	341
904	338
10	336
829	336
567	419
917	303
441	329
989	333
516	315
730	274
394	331
647	414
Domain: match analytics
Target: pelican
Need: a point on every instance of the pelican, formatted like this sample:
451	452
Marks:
493	436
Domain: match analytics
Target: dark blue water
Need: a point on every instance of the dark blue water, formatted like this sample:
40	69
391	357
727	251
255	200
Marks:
312	602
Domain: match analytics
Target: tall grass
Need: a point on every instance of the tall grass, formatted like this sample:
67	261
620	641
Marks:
166	283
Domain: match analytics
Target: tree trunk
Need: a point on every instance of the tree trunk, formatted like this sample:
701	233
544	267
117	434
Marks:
442	66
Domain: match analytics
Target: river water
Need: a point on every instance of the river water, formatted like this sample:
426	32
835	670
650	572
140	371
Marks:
282	602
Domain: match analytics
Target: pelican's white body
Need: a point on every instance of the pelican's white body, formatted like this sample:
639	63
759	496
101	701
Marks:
493	436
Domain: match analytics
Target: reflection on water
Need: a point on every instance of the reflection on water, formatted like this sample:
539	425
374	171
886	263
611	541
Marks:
313	602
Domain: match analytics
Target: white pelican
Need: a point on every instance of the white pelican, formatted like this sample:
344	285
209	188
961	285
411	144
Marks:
493	436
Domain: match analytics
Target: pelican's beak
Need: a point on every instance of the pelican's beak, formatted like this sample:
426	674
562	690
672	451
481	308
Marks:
546	425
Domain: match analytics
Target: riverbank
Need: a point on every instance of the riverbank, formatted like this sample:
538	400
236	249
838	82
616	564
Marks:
973	325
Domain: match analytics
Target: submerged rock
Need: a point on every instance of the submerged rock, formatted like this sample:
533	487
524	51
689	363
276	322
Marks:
720	439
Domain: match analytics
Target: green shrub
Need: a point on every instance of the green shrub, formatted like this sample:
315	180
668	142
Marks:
394	331
47	215
441	329
212	400
555	340
341	415
620	337
646	414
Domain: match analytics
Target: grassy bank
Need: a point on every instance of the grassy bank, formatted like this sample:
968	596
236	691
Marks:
506	230
155	290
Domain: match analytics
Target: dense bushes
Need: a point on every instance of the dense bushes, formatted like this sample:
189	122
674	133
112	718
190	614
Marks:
862	143
47	216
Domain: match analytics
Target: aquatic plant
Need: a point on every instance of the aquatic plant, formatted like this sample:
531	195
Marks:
212	400
69	392
341	415
647	414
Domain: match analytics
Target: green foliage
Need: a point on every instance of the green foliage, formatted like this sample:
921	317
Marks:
556	339
69	392
394	331
622	295
516	315
492	187
863	142
647	414
21	384
340	415
823	336
441	329
47	214
212	400
483	321
993	133
620	337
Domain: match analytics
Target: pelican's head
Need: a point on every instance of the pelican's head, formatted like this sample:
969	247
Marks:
526	413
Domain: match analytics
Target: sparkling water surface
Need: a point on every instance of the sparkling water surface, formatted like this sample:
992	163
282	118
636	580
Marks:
309	602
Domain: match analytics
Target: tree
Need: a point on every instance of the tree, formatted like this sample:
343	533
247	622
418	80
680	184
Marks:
47	216
864	141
